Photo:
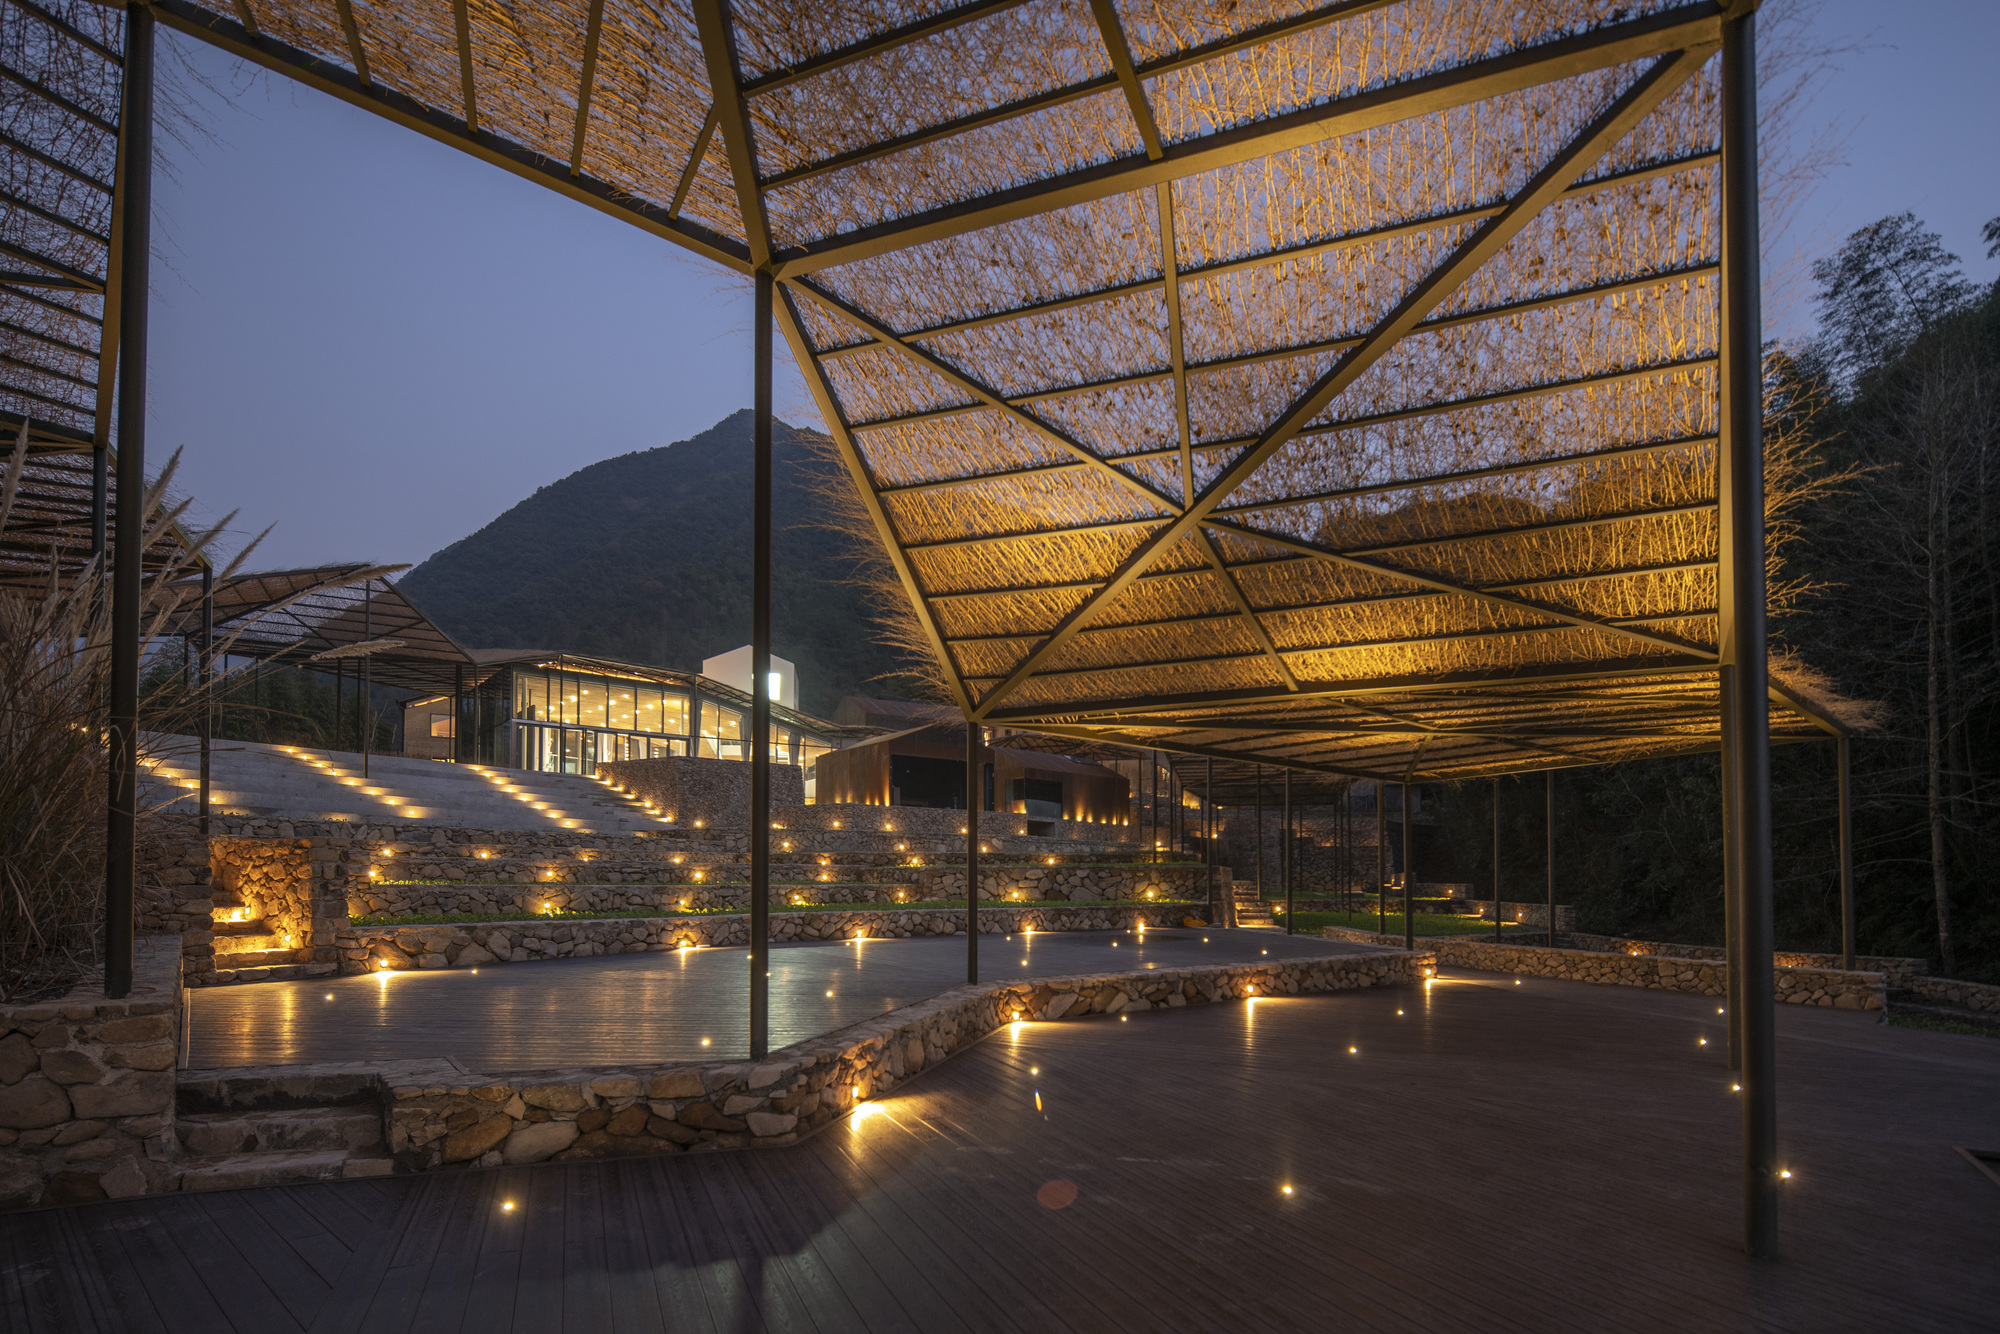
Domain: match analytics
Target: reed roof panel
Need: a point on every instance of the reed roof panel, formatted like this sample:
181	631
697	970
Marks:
1094	306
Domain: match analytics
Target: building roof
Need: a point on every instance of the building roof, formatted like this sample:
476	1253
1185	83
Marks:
1336	388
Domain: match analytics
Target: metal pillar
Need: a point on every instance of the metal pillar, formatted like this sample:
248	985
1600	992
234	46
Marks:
1381	860
202	679
1496	861
1409	918
1550	796
457	707
1843	760
135	200
1288	853
974	798
1208	842
1732	956
362	676
760	668
1742	620
1258	859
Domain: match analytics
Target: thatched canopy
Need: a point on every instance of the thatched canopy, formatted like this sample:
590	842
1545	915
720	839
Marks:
1333	385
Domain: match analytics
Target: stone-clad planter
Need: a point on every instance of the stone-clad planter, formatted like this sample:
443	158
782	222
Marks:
640	1110
471	944
87	1088
1703	977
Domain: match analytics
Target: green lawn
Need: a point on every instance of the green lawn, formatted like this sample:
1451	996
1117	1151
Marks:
1428	924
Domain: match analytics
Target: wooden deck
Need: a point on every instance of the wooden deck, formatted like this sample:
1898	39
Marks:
1538	1157
657	1006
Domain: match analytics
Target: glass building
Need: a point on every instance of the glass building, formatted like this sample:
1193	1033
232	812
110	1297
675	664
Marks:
566	714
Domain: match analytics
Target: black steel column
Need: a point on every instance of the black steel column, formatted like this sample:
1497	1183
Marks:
1208	842
136	204
1381	860
458	708
1743	634
975	797
1409	918
1550	922
203	675
1258	859
1843	760
760	667
1496	861
362	675
1288	853
1732	955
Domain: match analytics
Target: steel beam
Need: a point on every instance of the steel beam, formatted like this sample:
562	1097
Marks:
877	43
1844	771
586	83
462	28
135	200
1614	44
975	797
760	668
696	153
864	488
1585	149
315	72
962	380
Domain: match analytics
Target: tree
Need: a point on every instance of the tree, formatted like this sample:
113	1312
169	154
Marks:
1886	284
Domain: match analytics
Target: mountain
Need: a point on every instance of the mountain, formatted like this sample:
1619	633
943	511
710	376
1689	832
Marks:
646	557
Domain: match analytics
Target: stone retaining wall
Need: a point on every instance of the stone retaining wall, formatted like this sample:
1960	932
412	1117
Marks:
943	825
87	1088
1703	977
1898	971
1063	882
689	789
649	1110
471	944
1966	995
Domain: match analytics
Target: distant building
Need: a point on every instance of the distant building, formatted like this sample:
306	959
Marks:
564	713
925	766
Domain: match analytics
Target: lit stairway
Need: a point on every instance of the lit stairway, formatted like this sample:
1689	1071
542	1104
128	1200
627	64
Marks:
1251	910
296	782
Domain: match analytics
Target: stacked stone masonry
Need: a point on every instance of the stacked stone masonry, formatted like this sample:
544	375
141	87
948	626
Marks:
469	945
1965	995
1900	972
1703	977
87	1089
630	1111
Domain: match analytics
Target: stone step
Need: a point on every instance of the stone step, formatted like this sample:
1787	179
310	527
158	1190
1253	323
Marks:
233	1171
274	972
219	1134
254	958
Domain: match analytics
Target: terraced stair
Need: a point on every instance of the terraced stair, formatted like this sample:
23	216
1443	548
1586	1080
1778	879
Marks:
1251	910
295	782
246	1128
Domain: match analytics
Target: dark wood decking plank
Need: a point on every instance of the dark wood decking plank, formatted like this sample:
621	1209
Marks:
673	1279
538	1281
177	1298
461	1225
319	1249
630	1259
728	1296
33	1294
488	1306
586	1281
246	1264
742	1224
791	1184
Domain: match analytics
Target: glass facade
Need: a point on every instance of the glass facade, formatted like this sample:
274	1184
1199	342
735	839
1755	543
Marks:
570	722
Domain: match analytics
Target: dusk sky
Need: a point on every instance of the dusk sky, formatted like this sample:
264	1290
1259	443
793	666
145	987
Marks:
379	344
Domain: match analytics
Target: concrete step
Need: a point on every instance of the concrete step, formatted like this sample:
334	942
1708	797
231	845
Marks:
233	1171
304	1129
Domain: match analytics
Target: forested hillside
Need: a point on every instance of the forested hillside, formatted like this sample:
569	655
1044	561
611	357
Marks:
647	557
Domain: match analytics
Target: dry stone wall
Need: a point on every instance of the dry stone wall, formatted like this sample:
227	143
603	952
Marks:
1966	995
87	1088
945	826
633	1111
1703	977
691	790
1899	972
471	944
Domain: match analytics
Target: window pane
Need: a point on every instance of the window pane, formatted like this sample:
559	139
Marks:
619	706
440	724
531	695
674	716
646	715
590	703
